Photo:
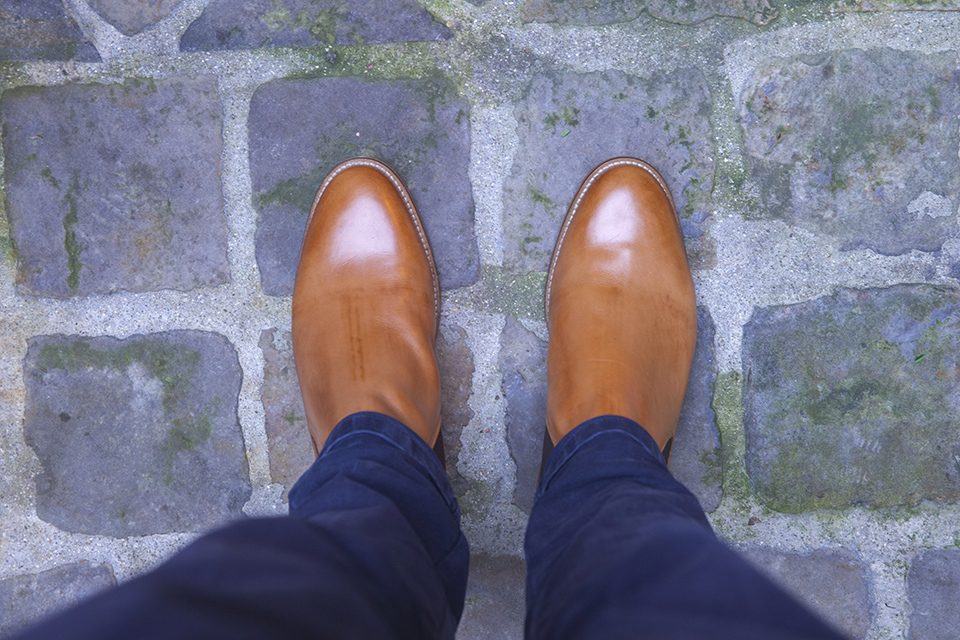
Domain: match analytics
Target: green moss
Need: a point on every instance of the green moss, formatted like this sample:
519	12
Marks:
185	435
540	198
174	366
528	241
727	405
297	192
863	419
70	242
48	177
567	115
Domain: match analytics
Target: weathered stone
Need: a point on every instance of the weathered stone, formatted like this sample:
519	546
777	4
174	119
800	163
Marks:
894	5
858	145
132	16
523	363
136	436
581	11
421	128
834	583
759	12
496	601
854	399
695	456
933	582
29	598
288	439
115	187
568	123
506	69
227	24
41	30
455	361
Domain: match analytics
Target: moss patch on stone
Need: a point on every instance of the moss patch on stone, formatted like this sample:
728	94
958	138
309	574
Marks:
852	400
174	366
728	408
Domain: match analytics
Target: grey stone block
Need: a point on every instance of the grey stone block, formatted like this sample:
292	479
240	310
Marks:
132	16
852	399
833	583
455	361
135	436
933	583
695	458
858	145
495	603
41	30
523	364
288	438
115	187
227	24
568	123
29	598
419	127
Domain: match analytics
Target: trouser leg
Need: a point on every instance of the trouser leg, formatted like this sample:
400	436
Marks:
371	549
617	548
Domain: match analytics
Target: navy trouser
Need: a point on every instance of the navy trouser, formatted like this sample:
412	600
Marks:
372	548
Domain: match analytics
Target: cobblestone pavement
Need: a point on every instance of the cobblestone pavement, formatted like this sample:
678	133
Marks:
158	161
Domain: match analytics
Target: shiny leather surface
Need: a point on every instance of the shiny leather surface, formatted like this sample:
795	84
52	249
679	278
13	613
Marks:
621	307
366	305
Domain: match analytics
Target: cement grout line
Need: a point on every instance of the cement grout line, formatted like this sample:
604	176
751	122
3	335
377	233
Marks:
493	143
491	522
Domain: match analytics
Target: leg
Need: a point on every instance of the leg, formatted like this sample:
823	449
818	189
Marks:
372	549
616	547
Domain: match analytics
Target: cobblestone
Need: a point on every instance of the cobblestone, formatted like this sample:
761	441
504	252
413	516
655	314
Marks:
832	582
420	128
41	30
133	16
883	172
456	365
851	399
115	187
291	450
523	362
27	598
695	458
933	582
225	24
136	436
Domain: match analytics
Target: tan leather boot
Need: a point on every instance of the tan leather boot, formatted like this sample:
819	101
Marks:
366	305
620	305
